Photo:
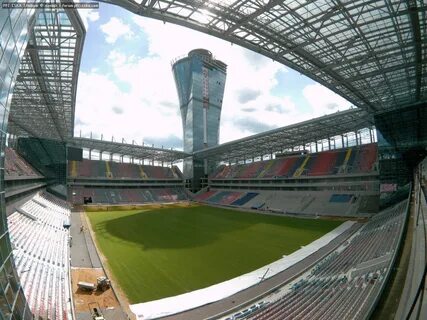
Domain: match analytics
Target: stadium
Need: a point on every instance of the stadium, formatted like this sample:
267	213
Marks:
319	219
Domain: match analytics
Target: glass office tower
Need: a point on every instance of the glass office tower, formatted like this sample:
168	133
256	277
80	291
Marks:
200	82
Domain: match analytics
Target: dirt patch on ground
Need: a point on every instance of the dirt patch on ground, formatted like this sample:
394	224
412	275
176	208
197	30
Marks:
119	293
82	298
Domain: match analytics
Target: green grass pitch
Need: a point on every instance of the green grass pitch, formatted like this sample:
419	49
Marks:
159	252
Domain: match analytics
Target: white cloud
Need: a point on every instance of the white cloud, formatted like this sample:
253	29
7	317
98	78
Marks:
88	15
104	109
247	72
324	101
149	108
114	29
150	78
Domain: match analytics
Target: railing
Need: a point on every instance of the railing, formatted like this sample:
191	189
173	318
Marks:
394	258
420	218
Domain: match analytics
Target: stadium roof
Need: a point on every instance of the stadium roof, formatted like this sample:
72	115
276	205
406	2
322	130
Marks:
287	137
132	150
45	92
370	52
271	141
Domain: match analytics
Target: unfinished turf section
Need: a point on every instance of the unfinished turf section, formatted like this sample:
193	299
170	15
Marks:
159	252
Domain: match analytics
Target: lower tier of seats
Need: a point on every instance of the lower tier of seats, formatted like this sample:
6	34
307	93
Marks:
296	202
125	195
40	243
346	283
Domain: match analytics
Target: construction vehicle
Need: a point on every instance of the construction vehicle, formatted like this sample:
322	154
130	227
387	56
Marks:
86	286
95	311
103	283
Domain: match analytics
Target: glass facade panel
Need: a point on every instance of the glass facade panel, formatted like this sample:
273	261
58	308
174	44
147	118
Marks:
402	138
13	40
19	308
12	275
3	278
10	297
47	156
27	314
4	247
3	224
5	310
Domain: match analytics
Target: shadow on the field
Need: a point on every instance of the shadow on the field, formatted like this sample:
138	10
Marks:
175	229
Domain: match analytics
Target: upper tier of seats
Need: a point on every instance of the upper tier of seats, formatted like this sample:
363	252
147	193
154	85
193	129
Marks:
359	159
115	170
15	165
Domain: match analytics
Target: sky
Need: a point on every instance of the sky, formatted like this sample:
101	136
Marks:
126	87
